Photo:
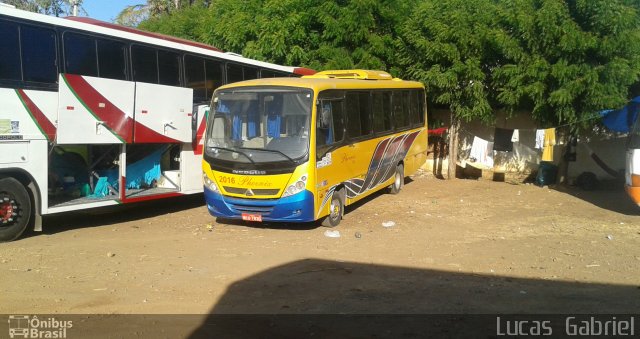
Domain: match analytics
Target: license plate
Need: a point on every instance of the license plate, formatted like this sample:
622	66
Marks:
251	217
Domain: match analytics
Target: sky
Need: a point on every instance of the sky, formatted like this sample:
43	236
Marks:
107	10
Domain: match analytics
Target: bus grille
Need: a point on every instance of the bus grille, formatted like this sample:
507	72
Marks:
256	191
264	210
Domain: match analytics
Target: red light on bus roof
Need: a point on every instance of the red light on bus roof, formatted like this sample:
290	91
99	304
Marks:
304	71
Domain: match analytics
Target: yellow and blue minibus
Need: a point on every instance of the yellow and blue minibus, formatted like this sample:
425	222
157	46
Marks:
301	149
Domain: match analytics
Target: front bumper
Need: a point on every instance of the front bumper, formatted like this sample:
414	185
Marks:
295	208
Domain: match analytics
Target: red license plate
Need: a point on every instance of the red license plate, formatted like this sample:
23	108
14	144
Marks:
251	217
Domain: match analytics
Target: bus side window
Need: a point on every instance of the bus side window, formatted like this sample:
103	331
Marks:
9	52
168	68
38	54
145	64
80	54
194	72
250	73
234	73
381	112
111	60
329	124
213	76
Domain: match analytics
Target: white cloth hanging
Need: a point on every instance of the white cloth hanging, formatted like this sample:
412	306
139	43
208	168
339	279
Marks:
516	136
539	138
482	151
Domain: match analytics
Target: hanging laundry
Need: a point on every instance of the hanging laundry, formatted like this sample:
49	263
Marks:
516	136
481	151
539	138
502	140
488	160
549	142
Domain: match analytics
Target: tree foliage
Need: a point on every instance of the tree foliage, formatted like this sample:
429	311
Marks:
49	7
133	15
451	46
560	59
313	33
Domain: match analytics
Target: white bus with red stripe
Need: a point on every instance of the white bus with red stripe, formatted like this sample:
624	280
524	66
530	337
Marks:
95	114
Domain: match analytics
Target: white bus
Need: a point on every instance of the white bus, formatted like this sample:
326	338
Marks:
95	114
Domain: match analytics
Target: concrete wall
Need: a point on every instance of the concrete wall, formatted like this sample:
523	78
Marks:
610	147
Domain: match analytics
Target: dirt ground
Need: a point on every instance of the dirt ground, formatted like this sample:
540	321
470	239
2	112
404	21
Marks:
460	246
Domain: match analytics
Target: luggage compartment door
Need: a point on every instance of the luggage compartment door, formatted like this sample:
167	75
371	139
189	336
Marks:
163	114
94	110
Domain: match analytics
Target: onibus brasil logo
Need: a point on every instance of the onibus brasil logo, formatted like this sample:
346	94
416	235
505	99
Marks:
25	326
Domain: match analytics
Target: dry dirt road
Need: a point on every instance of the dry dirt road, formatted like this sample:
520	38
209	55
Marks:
457	246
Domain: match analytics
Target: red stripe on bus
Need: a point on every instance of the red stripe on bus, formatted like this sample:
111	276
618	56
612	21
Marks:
47	127
150	197
106	111
198	147
143	133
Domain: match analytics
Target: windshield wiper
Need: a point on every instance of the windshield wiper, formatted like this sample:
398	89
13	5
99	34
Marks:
270	150
234	151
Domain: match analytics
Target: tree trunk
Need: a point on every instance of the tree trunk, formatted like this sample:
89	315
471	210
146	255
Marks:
569	147
453	147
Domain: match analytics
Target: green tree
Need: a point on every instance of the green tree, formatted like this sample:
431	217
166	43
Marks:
451	47
313	33
560	59
573	58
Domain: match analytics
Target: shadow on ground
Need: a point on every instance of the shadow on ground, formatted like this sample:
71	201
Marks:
609	195
308	225
109	215
324	299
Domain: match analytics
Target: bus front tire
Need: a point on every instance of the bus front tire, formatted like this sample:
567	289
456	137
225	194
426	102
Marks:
398	180
336	210
15	209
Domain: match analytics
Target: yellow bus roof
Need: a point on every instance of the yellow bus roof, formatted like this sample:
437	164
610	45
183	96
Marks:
360	74
321	83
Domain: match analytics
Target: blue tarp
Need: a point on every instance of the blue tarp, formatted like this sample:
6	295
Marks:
621	120
140	173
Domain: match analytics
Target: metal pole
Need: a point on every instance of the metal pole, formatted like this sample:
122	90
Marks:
75	7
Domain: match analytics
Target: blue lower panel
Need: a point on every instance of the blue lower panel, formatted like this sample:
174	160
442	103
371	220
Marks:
295	208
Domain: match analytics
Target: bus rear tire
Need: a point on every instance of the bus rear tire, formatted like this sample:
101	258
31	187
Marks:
398	180
15	209
336	210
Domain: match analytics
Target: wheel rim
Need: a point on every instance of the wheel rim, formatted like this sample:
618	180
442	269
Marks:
397	181
335	209
8	210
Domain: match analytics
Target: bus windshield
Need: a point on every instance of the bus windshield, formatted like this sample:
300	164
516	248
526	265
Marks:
257	125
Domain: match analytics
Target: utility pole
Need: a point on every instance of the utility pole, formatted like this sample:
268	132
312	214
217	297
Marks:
74	3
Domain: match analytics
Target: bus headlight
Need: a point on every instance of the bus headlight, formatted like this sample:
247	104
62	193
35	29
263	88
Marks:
209	183
296	187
